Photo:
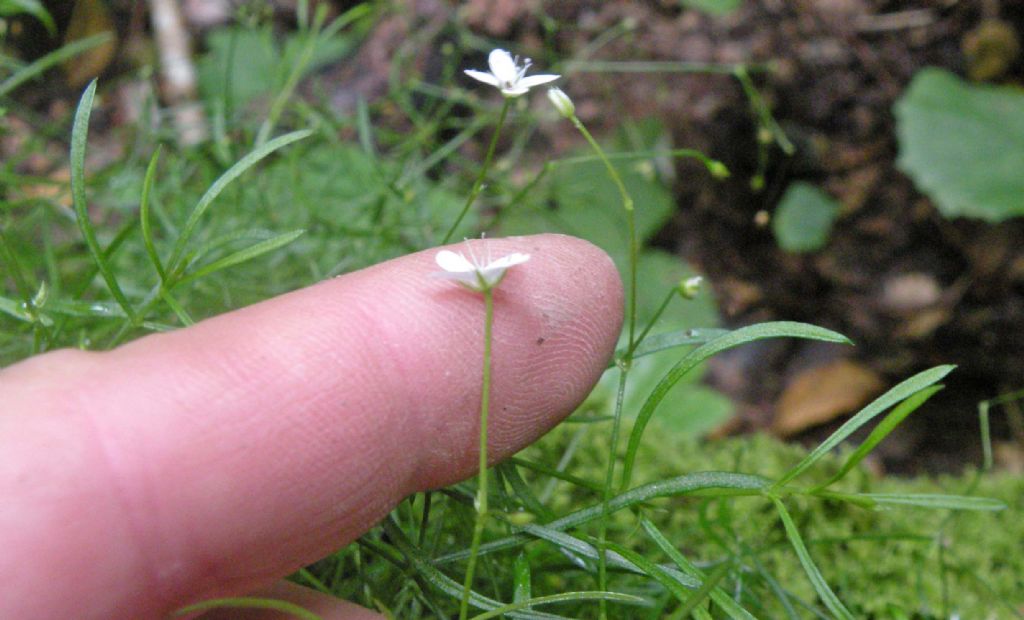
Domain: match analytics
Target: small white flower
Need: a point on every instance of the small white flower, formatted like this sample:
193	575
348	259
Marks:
474	273
507	76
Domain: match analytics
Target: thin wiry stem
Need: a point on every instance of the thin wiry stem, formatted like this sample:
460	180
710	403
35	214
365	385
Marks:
627	204
479	182
624	364
650	324
481	492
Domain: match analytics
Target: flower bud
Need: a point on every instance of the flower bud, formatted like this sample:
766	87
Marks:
718	170
562	103
689	287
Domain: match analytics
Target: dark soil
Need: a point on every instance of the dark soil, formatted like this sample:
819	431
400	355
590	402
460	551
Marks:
913	289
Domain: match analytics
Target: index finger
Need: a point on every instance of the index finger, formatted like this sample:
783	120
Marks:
206	461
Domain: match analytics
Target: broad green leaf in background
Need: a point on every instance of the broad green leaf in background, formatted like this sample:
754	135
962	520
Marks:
245	63
804	218
586	204
242	63
581	200
963	145
690	408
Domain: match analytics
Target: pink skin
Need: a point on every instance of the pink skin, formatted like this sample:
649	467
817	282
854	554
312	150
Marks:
212	460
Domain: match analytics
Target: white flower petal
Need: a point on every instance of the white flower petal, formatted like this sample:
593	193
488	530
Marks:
468	278
486	78
453	262
516	258
503	66
536	80
471	274
514	92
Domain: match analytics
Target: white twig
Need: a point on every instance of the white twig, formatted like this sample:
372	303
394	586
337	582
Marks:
178	74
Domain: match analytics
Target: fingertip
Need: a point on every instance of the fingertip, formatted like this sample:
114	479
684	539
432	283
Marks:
252	443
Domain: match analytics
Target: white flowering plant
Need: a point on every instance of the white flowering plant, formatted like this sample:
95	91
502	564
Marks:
622	512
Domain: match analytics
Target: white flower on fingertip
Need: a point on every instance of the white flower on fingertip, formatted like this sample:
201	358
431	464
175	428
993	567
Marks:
473	273
508	76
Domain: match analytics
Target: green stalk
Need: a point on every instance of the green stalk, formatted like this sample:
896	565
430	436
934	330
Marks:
627	204
650	324
624	363
479	182
481	489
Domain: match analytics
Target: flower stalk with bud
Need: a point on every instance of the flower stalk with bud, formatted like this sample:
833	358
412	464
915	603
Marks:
564	105
509	77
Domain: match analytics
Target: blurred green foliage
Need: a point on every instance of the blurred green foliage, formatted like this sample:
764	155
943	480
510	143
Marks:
804	217
963	144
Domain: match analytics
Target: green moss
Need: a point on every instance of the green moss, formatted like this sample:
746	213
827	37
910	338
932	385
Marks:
923	563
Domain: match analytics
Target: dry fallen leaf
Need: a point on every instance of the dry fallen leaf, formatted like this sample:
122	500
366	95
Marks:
56	189
822	394
88	18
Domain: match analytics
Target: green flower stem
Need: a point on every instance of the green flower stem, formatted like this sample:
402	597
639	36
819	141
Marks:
481	489
650	324
627	204
624	364
606	496
478	184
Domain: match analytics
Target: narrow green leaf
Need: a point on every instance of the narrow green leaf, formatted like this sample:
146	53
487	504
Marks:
905	389
522	584
426	571
880	432
79	137
825	593
554	473
718	595
218	186
144	221
523	492
670	340
613	557
364	129
9	260
35	8
704	591
678	589
714	7
245	602
90	309
176	306
15	309
927	500
583	549
243	255
562	598
780	329
56	57
704	483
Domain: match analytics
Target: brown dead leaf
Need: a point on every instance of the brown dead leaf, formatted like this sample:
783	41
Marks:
824	393
1009	456
55	189
88	18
